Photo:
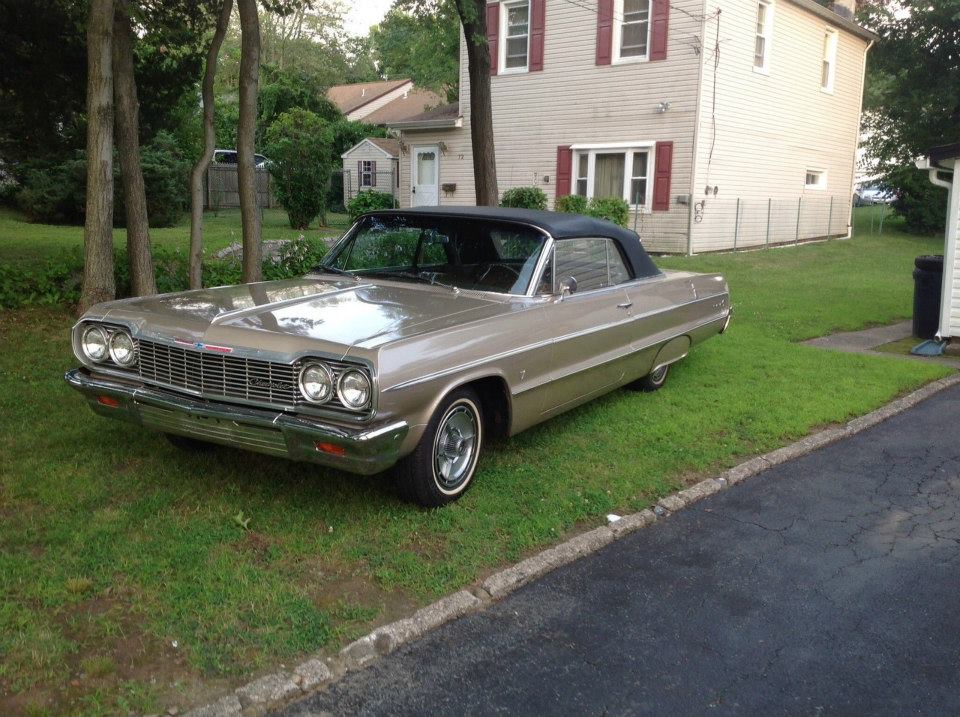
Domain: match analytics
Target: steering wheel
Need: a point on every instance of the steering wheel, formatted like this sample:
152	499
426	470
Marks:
491	267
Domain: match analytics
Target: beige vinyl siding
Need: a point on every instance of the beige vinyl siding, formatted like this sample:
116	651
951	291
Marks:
456	164
366	151
770	128
574	101
370	108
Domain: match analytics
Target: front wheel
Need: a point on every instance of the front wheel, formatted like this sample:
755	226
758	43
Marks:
442	466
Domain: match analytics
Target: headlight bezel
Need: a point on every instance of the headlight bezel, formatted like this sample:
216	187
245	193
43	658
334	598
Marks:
369	390
105	338
332	383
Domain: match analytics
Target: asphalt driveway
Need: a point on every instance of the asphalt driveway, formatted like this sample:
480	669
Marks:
827	585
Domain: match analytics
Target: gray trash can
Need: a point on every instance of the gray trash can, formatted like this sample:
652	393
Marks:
927	283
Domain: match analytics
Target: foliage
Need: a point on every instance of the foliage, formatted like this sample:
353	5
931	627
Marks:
524	198
613	209
58	280
299	146
54	193
912	101
424	47
572	204
284	90
369	201
921	203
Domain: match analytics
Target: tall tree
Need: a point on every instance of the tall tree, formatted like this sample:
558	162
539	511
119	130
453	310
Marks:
424	47
209	140
246	129
126	112
98	283
473	18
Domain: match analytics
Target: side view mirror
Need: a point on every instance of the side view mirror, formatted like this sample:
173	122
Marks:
568	286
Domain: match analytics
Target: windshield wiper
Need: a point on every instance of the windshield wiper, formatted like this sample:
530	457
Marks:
424	278
323	269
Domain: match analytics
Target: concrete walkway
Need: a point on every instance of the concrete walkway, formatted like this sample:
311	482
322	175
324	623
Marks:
826	585
866	341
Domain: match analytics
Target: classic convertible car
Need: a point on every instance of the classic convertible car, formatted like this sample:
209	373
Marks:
423	334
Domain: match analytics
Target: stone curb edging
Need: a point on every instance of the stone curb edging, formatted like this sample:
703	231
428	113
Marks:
255	697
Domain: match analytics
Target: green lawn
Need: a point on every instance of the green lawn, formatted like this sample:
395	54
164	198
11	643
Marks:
114	546
22	242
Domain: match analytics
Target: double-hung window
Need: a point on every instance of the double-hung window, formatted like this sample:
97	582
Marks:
367	174
829	66
515	31
763	36
632	29
620	171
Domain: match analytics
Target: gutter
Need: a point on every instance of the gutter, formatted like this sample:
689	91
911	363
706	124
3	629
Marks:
444	123
835	19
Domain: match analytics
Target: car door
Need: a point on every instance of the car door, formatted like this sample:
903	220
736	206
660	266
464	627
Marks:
591	325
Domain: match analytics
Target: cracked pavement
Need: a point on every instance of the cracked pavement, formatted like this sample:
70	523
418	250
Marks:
825	585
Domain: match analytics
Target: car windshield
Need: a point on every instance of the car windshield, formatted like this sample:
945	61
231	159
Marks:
464	253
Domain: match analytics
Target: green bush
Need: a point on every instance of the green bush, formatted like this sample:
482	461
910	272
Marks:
923	205
524	198
59	280
572	204
613	209
369	201
298	144
55	193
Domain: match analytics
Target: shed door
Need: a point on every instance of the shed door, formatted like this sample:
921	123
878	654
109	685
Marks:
425	177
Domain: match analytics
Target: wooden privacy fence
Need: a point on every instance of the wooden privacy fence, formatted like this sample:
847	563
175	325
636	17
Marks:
222	187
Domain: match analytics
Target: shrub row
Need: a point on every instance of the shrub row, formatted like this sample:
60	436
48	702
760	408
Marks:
59	280
369	201
612	209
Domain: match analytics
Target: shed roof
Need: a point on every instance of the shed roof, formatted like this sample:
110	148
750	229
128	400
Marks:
386	144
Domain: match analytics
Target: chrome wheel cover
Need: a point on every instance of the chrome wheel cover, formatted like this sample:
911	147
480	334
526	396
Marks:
455	447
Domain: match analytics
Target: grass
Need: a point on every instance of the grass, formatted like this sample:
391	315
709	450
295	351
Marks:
25	243
127	585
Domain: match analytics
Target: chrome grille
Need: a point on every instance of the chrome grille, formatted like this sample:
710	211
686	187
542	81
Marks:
217	375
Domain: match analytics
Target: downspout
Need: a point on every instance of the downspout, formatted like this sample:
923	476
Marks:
853	174
695	150
950	243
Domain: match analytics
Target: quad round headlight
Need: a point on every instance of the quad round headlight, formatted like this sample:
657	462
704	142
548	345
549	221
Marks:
354	389
122	349
94	344
316	383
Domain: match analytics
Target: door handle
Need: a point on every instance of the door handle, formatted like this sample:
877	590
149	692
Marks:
625	305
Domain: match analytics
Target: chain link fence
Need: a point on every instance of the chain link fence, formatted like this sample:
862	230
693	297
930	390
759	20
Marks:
714	224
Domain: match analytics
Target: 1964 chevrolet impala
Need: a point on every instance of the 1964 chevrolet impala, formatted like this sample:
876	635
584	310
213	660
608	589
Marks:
421	335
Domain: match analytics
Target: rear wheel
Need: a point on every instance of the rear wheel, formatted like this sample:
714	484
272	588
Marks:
442	466
188	444
652	381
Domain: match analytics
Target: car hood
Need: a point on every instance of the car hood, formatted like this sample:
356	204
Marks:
294	315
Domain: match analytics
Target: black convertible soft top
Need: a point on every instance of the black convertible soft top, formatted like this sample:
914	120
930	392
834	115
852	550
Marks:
557	224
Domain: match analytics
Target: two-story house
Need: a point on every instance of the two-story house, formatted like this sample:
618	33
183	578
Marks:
723	123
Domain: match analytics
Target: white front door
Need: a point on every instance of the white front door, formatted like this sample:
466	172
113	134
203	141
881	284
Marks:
425	189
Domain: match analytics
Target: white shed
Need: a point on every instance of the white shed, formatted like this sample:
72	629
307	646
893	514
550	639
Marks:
943	163
373	163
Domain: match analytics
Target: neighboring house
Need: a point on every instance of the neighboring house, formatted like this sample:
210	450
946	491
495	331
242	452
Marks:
382	102
724	123
372	163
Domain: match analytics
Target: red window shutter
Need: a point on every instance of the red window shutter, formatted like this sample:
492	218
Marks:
660	17
359	174
373	173
564	169
604	32
538	22
493	32
661	180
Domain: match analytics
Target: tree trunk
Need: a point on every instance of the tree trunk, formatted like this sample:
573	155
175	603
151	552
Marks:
473	17
98	282
195	273
126	110
246	128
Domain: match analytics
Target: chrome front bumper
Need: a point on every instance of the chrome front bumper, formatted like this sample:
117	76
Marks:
365	450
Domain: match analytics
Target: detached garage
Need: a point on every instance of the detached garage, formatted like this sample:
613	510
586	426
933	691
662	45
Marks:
371	164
